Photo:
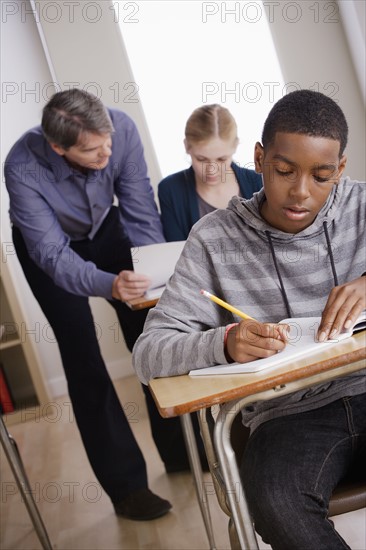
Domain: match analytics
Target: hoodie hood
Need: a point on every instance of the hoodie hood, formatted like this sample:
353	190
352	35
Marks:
249	211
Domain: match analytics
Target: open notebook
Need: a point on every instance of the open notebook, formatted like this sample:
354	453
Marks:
157	261
302	342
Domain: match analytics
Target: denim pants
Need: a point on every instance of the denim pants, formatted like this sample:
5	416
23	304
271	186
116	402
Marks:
105	429
291	466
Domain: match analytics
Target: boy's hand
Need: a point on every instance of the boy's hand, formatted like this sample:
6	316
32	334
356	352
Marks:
129	285
250	340
344	305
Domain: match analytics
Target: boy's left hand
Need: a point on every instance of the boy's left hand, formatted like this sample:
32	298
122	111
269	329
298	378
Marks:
344	305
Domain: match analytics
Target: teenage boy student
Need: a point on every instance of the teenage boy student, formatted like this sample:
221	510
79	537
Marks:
296	249
72	243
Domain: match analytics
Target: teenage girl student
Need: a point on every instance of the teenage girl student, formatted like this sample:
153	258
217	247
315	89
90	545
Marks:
211	141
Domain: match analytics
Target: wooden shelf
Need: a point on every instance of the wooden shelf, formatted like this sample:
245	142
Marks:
18	357
10	342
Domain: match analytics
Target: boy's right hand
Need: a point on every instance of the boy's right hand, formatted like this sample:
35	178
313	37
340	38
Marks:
250	340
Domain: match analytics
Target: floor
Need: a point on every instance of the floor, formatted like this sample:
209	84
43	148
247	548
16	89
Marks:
78	515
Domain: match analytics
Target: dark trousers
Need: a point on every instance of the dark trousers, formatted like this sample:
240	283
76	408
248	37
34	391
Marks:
106	433
291	465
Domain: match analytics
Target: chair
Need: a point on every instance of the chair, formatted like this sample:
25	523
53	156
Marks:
12	453
348	496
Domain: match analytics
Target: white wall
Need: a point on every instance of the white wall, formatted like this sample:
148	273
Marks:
25	75
314	53
353	15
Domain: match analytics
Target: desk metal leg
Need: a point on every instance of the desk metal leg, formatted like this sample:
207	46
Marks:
197	476
230	472
16	464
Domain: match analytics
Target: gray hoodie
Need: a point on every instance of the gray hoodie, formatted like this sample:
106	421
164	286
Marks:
268	274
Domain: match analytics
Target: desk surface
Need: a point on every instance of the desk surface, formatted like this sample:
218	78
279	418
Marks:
179	395
142	303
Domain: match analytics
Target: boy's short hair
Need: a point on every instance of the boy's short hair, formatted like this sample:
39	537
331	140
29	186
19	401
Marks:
309	113
70	113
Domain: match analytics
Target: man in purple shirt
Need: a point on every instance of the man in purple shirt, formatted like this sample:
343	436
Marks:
74	242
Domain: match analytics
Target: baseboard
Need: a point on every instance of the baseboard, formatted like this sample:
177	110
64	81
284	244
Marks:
117	369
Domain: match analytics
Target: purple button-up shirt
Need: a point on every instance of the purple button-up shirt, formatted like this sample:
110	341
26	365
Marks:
52	204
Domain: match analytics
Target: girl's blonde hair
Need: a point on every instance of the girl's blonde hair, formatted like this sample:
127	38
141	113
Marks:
210	121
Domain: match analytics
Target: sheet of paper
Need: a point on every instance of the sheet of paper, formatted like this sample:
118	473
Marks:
154	293
302	343
157	261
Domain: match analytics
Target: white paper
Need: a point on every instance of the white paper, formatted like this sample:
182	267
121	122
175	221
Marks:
154	293
302	343
157	261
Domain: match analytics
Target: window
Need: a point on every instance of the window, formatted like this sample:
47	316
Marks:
187	53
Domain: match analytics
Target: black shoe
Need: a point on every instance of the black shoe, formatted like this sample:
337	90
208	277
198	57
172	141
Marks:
142	505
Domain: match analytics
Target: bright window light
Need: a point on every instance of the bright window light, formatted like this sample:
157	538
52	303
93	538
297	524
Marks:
185	54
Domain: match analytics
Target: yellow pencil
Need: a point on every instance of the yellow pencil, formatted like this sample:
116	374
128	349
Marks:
225	305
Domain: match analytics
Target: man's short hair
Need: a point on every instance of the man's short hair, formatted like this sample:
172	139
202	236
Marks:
309	113
71	113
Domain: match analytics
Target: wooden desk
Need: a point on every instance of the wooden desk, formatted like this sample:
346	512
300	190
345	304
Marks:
180	395
141	303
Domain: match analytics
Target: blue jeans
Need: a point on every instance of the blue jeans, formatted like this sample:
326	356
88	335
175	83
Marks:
291	466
